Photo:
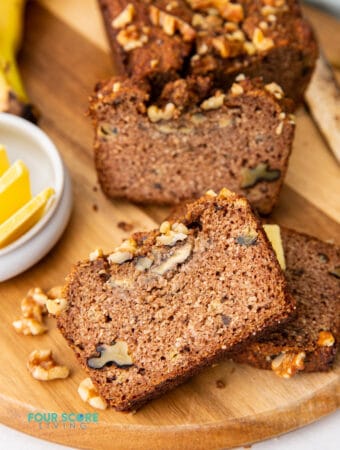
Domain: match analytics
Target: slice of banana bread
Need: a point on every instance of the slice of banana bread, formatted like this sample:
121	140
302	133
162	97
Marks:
309	342
169	302
161	40
191	138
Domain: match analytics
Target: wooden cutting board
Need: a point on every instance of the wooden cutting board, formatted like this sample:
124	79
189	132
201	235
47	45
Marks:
64	54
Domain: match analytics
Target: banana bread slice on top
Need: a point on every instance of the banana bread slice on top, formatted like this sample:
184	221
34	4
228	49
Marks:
169	302
191	138
161	40
309	342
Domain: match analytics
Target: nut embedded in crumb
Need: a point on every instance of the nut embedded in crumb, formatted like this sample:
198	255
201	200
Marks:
89	394
240	77
211	193
275	90
98	253
214	102
116	86
156	114
326	339
170	234
261	42
236	89
170	24
180	255
279	129
287	364
116	353
42	366
124	252
125	17
130	38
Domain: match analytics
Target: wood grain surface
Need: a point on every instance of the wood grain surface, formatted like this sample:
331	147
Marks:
64	55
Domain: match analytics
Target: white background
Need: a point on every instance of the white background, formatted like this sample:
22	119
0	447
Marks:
321	435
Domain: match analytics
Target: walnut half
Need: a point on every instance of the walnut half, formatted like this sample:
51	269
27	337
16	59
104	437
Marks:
42	366
116	354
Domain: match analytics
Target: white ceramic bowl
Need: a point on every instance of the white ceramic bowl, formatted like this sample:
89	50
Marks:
27	142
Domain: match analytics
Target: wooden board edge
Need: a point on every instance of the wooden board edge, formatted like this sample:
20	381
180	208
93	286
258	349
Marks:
227	434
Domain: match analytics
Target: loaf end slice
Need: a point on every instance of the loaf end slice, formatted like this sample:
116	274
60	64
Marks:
160	41
308	342
169	302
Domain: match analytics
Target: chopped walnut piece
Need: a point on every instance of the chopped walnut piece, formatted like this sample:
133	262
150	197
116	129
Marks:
55	292
33	306
229	11
29	326
213	102
179	256
56	306
116	86
89	394
261	42
156	114
236	89
221	45
171	24
211	193
125	17
116	353
287	364
170	234
249	48
275	90
124	252
42	366
326	339
98	253
130	38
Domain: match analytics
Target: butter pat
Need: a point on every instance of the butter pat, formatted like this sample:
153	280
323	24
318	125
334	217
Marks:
4	163
15	190
273	233
24	218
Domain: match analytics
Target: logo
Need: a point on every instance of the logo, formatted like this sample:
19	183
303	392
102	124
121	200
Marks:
64	420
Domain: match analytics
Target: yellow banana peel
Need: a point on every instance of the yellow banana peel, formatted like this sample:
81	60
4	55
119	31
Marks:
13	98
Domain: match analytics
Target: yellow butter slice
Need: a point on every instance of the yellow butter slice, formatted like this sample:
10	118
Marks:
15	190
273	233
24	218
4	162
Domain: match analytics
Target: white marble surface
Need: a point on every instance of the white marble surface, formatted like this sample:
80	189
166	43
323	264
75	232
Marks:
321	435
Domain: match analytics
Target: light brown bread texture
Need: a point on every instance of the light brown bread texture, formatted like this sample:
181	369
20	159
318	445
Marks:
169	302
312	274
191	138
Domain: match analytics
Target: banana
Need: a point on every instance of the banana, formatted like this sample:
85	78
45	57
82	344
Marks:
13	98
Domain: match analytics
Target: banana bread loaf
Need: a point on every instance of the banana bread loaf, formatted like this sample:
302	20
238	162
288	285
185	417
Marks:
169	302
161	40
191	137
309	342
